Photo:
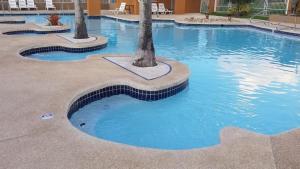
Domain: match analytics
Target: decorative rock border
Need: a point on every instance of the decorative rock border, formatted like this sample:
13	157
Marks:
127	90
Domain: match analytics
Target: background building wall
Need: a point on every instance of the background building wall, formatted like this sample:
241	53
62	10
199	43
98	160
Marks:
192	6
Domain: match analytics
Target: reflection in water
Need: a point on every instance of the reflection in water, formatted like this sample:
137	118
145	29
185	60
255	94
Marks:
254	74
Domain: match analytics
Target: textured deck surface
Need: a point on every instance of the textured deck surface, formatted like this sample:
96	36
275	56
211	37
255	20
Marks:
29	88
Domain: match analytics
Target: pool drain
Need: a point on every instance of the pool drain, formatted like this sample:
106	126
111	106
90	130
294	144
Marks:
47	116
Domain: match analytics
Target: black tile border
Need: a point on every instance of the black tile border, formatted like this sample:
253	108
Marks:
17	32
127	90
31	51
12	22
287	33
94	17
170	69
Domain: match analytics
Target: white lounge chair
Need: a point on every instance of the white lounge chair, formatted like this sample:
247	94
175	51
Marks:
154	8
12	4
31	4
49	5
121	9
22	4
163	10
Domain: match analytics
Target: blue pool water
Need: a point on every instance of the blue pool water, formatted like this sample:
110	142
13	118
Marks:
239	77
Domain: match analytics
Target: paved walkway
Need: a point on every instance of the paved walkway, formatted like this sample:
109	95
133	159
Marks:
29	88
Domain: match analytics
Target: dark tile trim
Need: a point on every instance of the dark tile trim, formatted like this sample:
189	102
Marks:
140	75
127	90
287	33
12	22
29	52
36	31
94	17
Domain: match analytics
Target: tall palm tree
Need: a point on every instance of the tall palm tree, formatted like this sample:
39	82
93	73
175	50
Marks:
145	51
80	26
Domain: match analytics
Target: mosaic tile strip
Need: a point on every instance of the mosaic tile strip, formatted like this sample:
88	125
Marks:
287	33
36	31
12	22
127	90
61	48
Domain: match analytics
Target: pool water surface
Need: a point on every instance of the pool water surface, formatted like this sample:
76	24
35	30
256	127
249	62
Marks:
240	77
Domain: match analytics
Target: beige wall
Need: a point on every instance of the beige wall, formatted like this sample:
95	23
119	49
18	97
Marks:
94	7
179	6
192	6
286	19
187	6
211	6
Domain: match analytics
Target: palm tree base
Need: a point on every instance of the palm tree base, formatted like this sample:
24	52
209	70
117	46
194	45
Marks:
142	62
81	31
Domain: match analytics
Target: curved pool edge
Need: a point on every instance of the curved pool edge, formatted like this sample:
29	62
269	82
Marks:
48	138
13	22
11	19
111	90
38	29
149	90
99	43
184	23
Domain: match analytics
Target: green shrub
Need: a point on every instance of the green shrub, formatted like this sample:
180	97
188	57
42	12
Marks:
244	10
262	17
220	13
242	7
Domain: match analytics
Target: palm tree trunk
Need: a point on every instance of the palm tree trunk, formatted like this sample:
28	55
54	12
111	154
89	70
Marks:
145	51
80	26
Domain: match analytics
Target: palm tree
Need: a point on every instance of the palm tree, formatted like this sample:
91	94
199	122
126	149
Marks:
145	51
80	26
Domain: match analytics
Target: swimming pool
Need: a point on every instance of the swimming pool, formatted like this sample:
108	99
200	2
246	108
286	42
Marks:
240	77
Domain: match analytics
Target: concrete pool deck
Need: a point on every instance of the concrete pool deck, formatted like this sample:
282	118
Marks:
30	88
